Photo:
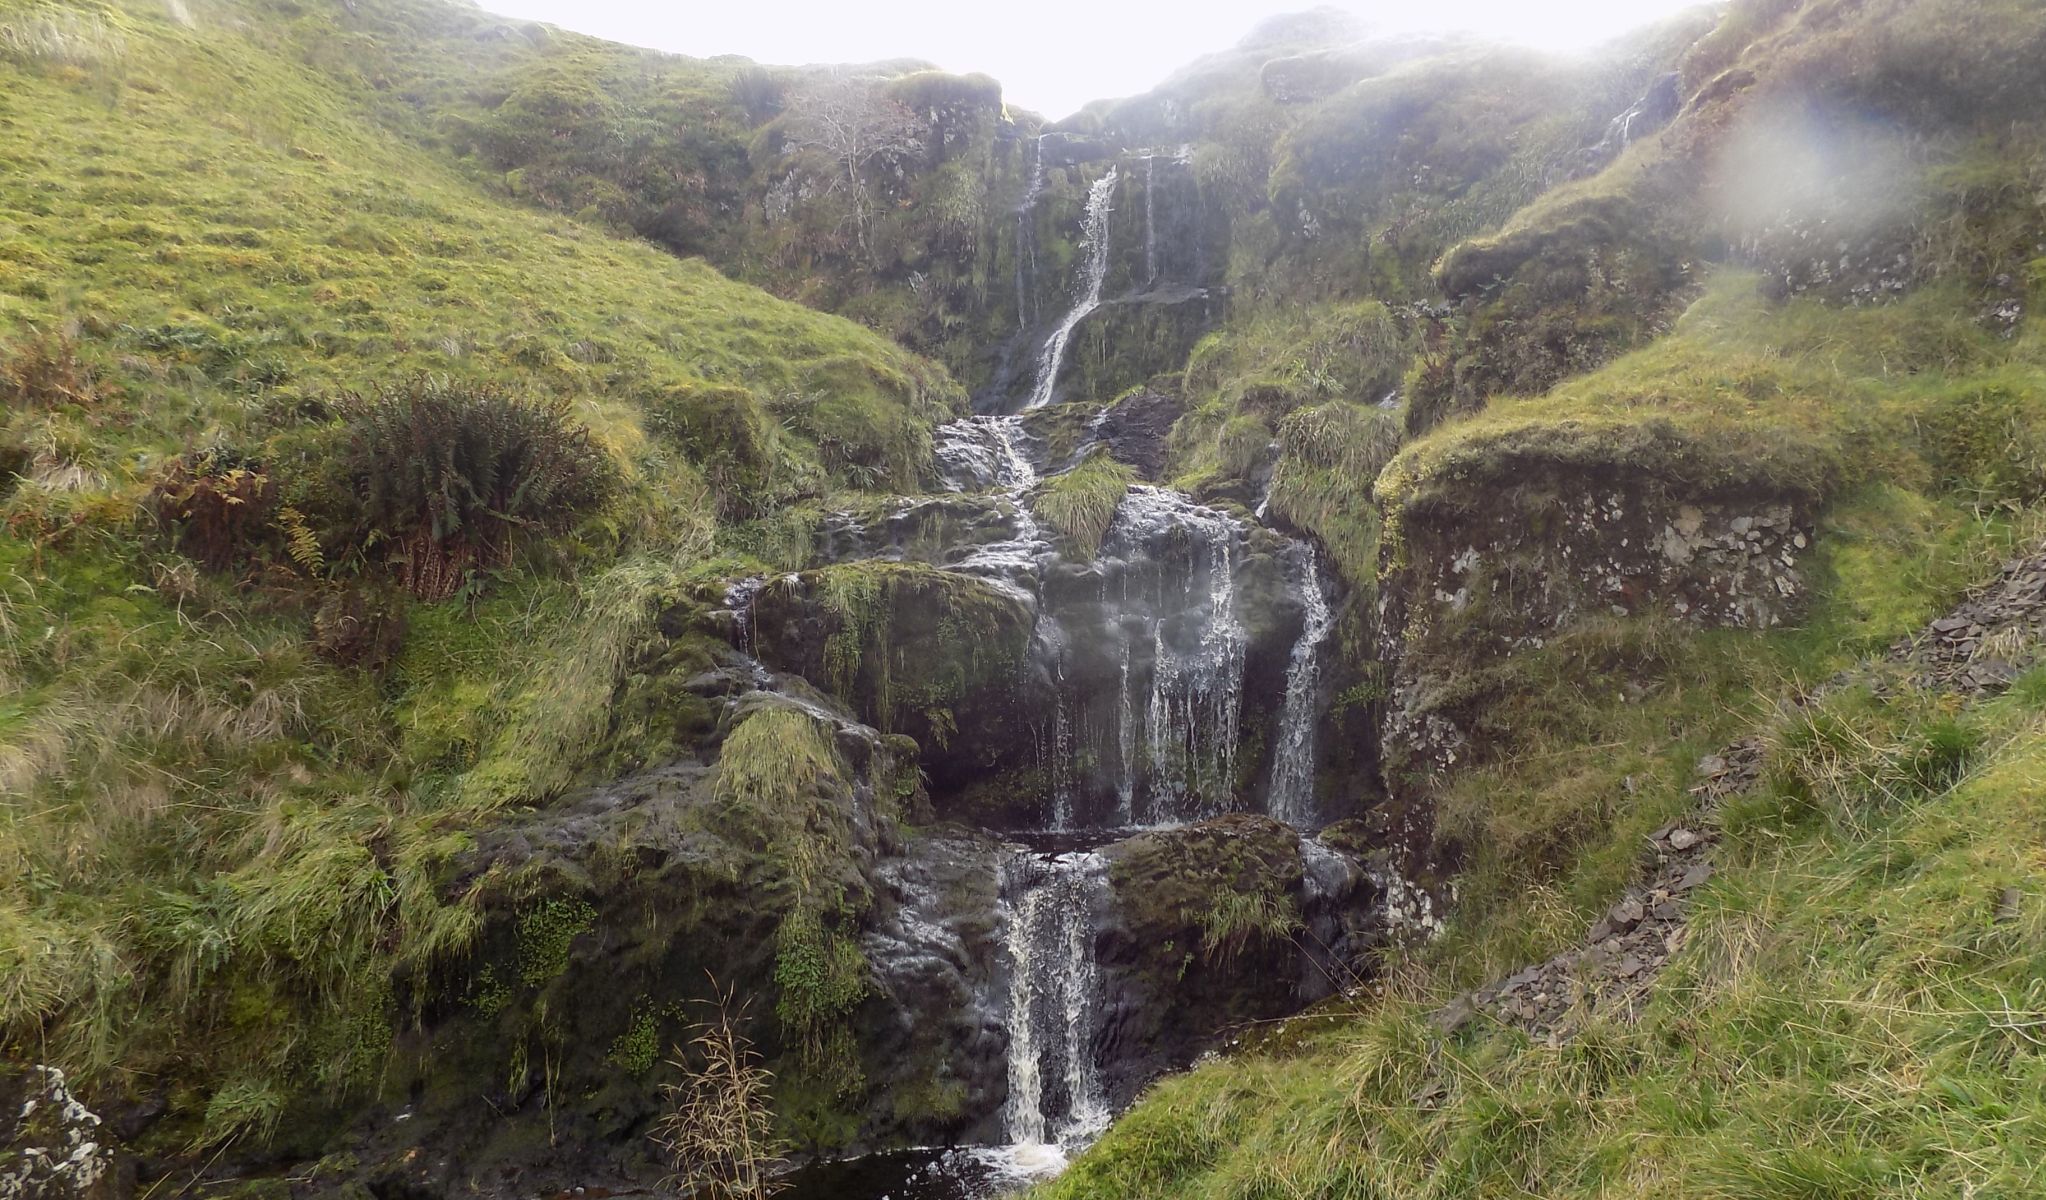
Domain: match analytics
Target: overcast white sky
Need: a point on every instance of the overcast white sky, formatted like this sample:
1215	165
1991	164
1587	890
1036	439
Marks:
1052	56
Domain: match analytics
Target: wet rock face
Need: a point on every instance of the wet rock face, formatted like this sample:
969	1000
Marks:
937	656
932	1016
1137	427
52	1147
1162	254
538	1062
1130	338
938	530
1165	662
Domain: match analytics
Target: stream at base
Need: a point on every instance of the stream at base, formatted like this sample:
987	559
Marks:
961	1173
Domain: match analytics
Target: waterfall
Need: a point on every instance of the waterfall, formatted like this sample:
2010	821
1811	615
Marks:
1026	233
1126	732
739	599
1197	647
1063	747
1150	222
1048	909
1292	789
1094	270
980	454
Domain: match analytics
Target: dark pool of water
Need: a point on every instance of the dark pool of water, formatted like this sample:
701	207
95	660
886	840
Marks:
973	1173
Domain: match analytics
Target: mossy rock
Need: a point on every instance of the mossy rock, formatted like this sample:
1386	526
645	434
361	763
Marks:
915	650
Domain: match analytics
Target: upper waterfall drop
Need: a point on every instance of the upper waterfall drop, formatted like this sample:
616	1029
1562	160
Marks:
1026	233
1150	219
1094	271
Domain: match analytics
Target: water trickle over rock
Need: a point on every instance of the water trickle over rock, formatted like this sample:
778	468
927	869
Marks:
1291	795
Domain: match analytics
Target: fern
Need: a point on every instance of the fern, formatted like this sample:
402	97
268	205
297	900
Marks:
451	474
300	542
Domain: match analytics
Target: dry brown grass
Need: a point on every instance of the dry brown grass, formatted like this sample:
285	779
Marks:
719	1128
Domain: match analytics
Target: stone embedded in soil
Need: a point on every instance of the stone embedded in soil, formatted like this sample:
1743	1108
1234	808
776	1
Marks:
1626	914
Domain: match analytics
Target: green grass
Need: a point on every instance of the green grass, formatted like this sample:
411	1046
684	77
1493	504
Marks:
1849	1018
1081	503
219	848
1798	399
1324	452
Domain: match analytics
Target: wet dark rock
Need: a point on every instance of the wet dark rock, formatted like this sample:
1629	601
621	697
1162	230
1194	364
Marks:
1136	427
933	947
937	656
1176	970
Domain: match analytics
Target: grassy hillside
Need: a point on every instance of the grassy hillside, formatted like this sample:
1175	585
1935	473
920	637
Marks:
1816	283
1850	1015
233	781
1849	1018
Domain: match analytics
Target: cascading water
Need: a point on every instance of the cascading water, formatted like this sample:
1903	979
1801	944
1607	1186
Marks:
1047	905
1291	795
1184	558
985	454
1026	233
1150	220
1094	270
1134	690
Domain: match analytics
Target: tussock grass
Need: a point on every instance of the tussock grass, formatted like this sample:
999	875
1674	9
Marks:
57	35
1325	454
1081	504
1236	919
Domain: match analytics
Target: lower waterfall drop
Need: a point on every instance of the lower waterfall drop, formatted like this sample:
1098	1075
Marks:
1048	904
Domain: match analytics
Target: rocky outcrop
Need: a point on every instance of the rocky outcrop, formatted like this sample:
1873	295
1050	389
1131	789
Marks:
1133	337
1974	651
613	922
52	1147
1136	428
1161	279
938	656
1492	581
1529	570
